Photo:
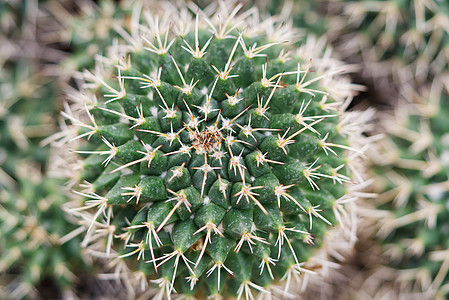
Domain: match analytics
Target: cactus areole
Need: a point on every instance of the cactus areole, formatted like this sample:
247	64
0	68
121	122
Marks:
213	155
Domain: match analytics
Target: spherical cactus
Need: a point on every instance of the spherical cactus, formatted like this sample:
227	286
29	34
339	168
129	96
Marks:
31	217
25	112
86	29
214	155
32	224
406	40
412	170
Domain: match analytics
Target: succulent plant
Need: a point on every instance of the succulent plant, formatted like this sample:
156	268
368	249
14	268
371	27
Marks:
307	16
406	40
213	153
32	220
410	216
20	87
86	29
32	224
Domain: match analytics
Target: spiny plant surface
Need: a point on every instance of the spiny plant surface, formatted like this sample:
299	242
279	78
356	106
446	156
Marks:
31	226
86	29
406	39
24	120
214	158
32	220
412	170
307	16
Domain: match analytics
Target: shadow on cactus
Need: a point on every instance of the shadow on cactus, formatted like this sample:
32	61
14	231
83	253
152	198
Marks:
213	157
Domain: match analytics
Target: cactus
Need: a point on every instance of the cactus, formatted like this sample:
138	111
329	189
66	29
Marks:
307	16
23	118
217	159
406	40
86	33
30	206
410	215
32	224
32	220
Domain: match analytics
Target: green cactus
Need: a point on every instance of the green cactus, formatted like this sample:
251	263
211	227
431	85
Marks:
411	216
408	40
86	33
24	121
214	163
32	224
307	16
32	220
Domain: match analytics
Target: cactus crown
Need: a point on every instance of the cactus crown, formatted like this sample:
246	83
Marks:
214	155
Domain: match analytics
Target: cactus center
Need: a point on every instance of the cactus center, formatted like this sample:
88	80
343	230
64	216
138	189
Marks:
207	140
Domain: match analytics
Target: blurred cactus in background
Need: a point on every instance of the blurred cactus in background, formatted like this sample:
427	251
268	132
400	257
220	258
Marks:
86	29
31	216
25	117
215	153
307	15
396	41
31	226
410	215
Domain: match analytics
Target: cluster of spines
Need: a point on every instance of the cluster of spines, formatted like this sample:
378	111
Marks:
222	135
32	224
412	172
32	220
87	29
403	39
